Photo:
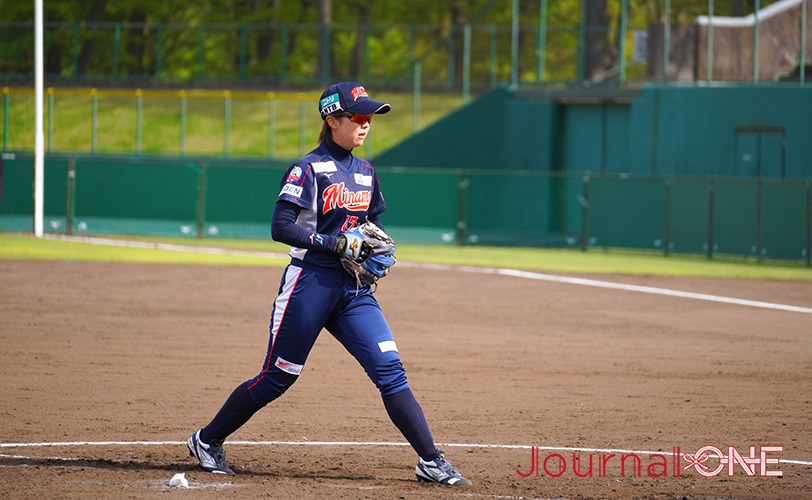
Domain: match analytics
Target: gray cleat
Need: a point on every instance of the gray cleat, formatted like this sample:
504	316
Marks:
440	471
211	456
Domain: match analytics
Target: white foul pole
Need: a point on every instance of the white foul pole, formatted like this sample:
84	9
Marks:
39	146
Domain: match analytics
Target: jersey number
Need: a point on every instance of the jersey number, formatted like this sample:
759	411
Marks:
349	223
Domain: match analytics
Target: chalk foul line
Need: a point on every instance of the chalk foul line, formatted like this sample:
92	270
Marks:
610	285
448	267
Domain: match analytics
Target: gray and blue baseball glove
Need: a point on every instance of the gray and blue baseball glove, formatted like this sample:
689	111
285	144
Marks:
366	252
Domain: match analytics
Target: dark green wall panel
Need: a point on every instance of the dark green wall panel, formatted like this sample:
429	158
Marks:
18	187
627	213
735	217
784	220
689	210
241	193
419	198
136	190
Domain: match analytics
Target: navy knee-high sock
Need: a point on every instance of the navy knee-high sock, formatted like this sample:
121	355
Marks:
236	411
406	414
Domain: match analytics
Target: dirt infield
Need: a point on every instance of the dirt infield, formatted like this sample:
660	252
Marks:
121	362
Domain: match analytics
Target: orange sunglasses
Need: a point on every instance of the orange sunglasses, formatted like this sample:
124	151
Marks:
359	119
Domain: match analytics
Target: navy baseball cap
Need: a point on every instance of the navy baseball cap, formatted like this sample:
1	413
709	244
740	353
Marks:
350	97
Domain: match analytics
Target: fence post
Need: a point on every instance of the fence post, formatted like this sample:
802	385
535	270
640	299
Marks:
94	141
283	54
411	42
5	118
158	51
182	95
302	123
325	61
201	35
138	119
271	122
710	42
710	219
494	32
50	118
227	123
416	114
243	45
585	213
466	63
116	52
666	39
514	45
755	42
451	63
75	51
582	43
542	42
69	199
803	41
624	14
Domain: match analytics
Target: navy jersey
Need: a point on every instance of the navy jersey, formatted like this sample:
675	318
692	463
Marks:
333	198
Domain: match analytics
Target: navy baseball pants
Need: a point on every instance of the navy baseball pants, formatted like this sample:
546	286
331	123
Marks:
309	300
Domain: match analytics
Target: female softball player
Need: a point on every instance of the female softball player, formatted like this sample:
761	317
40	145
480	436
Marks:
324	197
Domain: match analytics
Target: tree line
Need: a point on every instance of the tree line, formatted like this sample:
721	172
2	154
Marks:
317	46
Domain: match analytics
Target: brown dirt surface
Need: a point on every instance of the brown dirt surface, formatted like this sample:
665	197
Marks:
107	368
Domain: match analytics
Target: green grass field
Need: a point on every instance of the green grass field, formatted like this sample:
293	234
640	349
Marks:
27	247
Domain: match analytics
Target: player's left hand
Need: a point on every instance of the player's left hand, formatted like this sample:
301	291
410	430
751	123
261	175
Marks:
351	245
366	252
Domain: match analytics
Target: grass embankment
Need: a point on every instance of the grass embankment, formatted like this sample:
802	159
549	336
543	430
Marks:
205	132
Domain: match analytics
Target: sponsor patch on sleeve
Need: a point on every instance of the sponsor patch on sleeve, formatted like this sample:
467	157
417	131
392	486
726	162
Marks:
295	174
387	346
288	367
293	190
364	180
324	166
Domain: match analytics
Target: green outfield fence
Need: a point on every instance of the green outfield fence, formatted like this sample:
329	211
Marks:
216	197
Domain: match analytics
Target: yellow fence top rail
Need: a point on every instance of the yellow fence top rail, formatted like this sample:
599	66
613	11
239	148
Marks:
193	93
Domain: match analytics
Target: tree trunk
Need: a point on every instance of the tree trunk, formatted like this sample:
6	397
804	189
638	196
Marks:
364	18
135	46
596	52
325	18
53	59
86	52
265	40
293	35
459	13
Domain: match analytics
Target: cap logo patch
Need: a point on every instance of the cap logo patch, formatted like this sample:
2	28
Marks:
330	104
358	92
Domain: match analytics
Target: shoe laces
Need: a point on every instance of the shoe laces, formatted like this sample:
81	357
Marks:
445	466
219	456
